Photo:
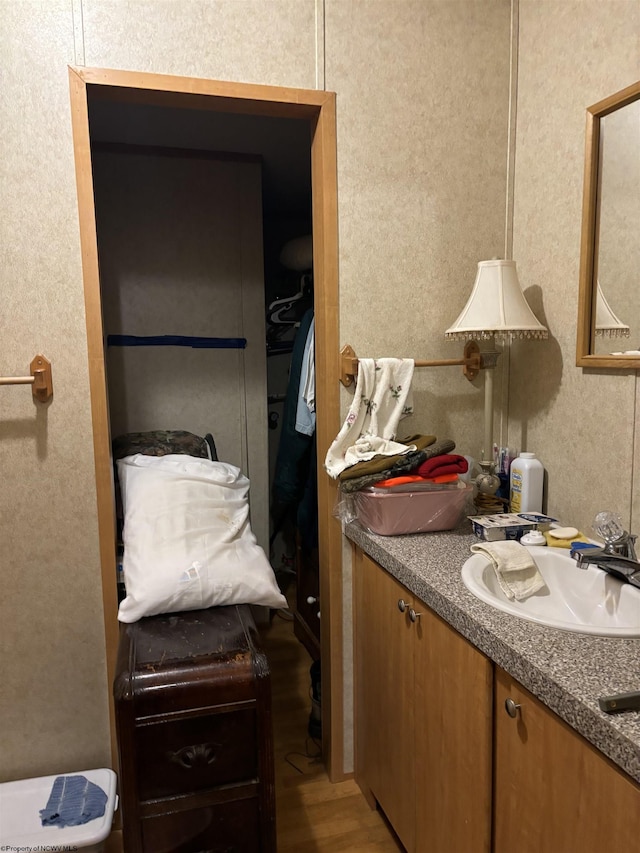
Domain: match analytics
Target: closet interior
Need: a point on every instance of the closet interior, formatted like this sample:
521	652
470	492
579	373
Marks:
206	275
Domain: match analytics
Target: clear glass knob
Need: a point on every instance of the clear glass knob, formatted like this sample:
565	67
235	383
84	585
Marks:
608	525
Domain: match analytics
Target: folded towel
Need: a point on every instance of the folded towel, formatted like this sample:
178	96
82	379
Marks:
385	463
515	569
401	465
391	482
369	446
382	397
446	463
73	801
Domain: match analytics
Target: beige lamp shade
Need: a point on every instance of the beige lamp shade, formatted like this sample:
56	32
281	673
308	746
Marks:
607	324
497	307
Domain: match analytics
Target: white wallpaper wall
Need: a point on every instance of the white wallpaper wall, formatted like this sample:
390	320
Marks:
180	244
423	108
582	423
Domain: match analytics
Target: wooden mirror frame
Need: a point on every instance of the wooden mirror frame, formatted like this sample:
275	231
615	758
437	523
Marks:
588	248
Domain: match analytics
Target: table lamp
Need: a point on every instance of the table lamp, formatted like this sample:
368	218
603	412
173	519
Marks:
496	310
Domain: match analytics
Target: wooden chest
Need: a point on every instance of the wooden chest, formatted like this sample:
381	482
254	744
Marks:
193	715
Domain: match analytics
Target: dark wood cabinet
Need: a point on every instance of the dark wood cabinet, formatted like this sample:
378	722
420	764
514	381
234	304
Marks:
193	715
306	617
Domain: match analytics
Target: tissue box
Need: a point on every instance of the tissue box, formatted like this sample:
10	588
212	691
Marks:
504	525
391	513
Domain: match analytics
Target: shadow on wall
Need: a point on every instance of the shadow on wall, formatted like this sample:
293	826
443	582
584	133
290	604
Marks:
536	373
36	428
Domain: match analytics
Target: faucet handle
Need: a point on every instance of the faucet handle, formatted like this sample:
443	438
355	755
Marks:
608	525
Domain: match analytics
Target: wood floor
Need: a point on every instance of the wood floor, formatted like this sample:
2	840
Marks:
312	813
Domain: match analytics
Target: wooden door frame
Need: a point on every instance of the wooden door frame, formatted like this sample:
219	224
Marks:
319	108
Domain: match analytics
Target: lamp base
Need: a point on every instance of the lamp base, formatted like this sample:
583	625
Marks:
489	505
487	482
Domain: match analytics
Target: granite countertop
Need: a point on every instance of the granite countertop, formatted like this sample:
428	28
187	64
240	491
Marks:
567	671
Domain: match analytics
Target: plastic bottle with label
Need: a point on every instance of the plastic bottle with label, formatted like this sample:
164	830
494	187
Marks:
527	479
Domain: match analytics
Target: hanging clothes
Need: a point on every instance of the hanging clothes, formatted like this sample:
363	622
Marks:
306	408
293	459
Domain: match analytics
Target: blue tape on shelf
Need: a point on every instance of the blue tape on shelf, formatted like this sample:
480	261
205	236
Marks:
175	341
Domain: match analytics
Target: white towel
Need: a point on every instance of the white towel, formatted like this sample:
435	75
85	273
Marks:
382	397
369	446
515	570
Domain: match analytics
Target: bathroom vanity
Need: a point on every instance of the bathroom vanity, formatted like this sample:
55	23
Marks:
476	730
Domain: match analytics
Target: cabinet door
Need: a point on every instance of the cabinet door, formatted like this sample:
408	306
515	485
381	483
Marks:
384	706
553	790
453	721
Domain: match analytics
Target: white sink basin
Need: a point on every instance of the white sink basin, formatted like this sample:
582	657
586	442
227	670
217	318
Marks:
588	601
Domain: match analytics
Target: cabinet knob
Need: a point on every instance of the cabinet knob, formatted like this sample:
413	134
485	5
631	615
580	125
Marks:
511	707
311	599
402	605
413	615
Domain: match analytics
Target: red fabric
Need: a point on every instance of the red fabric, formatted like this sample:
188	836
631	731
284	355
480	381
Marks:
413	478
446	463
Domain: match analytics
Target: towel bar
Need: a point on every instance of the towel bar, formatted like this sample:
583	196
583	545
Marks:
472	362
41	380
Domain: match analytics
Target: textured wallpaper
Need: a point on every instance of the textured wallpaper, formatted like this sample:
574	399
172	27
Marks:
53	702
583	423
423	101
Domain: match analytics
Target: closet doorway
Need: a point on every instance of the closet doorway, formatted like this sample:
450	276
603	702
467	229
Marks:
191	96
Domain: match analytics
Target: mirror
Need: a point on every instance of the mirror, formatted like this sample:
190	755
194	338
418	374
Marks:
609	300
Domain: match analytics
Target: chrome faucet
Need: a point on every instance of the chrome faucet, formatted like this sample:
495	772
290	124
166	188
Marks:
617	556
621	567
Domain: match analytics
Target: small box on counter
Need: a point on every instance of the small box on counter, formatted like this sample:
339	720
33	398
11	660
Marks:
509	525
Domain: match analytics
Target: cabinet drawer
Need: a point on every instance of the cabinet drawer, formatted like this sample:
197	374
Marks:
196	753
229	828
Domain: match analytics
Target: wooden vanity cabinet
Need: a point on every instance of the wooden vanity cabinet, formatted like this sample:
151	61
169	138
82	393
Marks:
552	789
384	698
423	708
439	752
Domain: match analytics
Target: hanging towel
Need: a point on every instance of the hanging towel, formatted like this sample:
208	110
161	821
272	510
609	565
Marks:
382	397
515	570
73	801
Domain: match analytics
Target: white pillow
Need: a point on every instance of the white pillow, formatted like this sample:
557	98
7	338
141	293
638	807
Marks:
188	543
